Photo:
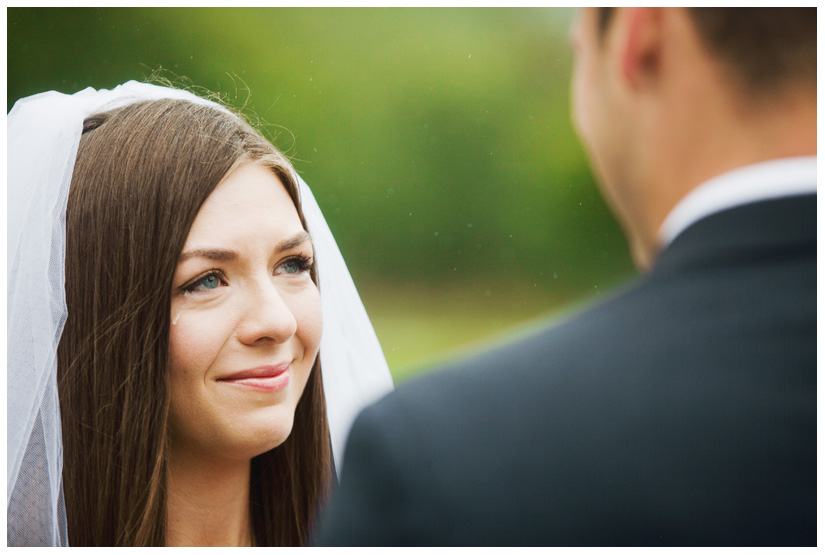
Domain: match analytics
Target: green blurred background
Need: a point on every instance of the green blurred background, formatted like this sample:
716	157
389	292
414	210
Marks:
437	141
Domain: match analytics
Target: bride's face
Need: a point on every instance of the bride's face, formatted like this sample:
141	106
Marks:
246	320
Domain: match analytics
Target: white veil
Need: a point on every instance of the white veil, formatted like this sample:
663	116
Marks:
43	136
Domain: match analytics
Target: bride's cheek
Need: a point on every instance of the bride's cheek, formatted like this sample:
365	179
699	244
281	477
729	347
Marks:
192	339
310	320
179	345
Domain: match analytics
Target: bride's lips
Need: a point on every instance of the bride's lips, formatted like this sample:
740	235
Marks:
268	378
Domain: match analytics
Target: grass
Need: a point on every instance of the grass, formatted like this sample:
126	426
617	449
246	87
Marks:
421	332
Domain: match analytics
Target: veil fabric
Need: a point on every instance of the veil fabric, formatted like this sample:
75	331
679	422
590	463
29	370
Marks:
43	135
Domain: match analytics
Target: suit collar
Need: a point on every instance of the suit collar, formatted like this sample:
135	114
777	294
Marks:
765	228
771	179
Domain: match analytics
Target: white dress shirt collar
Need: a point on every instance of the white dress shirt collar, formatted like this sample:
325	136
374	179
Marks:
766	180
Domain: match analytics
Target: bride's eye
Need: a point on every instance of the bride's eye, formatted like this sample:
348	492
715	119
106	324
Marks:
295	265
210	281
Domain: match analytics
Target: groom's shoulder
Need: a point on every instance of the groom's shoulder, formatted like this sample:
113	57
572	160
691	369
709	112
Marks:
524	368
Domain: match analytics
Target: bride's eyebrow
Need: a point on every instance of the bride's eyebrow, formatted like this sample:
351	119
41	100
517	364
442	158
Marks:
298	239
223	255
211	254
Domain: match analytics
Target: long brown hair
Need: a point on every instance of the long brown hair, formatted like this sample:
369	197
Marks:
141	175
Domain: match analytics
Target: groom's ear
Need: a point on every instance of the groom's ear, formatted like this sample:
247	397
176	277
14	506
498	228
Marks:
640	39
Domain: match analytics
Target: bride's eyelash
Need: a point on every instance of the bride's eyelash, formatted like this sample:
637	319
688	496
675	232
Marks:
190	287
304	265
304	262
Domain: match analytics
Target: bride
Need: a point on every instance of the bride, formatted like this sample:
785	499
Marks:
169	279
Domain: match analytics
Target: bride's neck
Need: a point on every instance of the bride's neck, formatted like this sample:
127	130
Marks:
207	502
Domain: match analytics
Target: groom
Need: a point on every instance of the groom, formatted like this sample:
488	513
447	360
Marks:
682	411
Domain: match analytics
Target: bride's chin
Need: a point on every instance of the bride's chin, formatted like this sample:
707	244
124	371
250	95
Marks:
243	442
261	439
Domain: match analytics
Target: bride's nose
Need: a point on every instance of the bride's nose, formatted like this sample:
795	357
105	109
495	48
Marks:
266	317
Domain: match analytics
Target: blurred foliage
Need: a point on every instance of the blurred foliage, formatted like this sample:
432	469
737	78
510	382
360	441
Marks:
437	141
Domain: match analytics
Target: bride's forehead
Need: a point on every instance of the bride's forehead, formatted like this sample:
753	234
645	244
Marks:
250	205
249	190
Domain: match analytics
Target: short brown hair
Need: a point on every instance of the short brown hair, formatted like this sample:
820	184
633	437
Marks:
141	175
767	48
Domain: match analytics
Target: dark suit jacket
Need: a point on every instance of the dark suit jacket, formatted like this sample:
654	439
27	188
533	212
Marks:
680	412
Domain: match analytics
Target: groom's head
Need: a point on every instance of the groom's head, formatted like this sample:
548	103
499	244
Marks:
665	98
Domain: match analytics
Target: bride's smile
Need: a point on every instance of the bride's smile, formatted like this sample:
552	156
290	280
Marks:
267	378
